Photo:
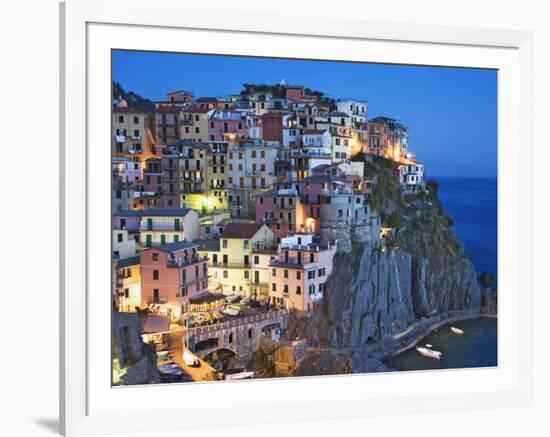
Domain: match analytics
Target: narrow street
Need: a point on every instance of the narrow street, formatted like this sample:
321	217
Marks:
202	373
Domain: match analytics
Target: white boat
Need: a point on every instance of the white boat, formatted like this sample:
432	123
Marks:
457	330
230	310
428	345
232	298
430	353
190	359
240	375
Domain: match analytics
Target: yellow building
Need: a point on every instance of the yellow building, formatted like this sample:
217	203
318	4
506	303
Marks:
231	259
128	284
194	124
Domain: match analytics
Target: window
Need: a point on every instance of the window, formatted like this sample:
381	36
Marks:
245	244
246	274
298	290
311	274
285	274
225	274
155	275
273	287
311	257
155	257
156	296
273	272
126	293
224	244
136	120
285	288
256	259
121	118
119	238
298	275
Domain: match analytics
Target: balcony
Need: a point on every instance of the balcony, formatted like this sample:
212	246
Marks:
162	227
183	262
160	301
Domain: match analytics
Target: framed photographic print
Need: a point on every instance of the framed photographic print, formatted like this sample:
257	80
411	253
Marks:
300	219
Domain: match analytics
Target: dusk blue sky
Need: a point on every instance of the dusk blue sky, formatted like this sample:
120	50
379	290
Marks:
451	112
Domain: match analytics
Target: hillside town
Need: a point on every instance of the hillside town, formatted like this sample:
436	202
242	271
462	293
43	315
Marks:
227	213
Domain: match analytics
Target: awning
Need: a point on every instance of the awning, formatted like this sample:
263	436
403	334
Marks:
153	323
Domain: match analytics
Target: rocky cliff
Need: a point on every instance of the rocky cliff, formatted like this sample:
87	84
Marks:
419	270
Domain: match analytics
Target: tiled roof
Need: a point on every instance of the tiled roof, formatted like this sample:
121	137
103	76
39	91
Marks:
197	110
118	109
168	108
127	262
314	132
166	212
174	247
241	230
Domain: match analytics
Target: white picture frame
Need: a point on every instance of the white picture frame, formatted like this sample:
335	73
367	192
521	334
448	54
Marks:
89	30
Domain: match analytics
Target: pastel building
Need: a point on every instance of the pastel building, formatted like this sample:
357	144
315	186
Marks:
304	160
194	123
300	271
122	196
356	109
132	132
281	210
250	171
224	124
127	171
171	275
160	226
411	176
184	173
397	136
128	284
123	244
231	257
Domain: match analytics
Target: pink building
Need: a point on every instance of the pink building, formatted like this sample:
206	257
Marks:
224	125
171	275
298	275
282	211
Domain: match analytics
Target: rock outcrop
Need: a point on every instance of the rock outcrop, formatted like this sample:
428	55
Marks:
133	360
419	270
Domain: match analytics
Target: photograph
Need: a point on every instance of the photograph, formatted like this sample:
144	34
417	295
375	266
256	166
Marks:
279	217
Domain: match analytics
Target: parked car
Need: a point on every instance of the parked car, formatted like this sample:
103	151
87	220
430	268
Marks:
170	372
231	310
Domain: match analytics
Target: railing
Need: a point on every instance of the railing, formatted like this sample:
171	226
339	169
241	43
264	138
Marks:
238	322
231	265
161	300
162	227
182	262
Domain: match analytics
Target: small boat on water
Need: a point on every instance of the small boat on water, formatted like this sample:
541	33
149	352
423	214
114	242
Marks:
457	330
428	345
429	353
236	374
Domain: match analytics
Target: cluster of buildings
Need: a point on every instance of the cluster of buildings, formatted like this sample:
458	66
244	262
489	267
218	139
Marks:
252	195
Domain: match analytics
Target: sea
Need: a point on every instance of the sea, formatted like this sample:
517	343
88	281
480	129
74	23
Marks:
472	204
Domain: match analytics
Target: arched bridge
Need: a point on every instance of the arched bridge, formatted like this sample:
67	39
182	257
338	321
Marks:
240	335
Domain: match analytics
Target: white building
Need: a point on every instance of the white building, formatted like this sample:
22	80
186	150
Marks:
318	139
168	225
251	169
356	109
411	177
